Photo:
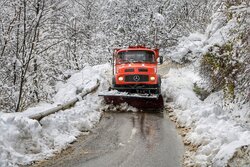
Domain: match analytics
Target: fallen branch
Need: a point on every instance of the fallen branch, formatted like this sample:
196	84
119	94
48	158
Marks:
66	105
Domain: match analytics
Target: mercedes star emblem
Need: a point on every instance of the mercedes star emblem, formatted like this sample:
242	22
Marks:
136	78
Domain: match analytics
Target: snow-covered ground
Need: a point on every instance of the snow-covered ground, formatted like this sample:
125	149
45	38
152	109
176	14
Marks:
24	140
221	134
211	127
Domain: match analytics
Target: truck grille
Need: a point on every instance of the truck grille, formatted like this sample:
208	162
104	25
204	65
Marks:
136	78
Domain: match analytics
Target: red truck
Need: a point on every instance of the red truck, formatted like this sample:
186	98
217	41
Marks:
135	78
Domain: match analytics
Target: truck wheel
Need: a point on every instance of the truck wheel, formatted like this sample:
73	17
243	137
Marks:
158	91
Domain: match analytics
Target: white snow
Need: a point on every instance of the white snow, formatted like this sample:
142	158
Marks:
221	133
24	140
189	47
126	94
217	135
124	107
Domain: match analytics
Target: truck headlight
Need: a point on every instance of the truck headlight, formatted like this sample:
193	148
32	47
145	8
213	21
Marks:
120	78
152	78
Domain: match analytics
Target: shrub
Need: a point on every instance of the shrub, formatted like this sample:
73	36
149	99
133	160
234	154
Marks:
221	68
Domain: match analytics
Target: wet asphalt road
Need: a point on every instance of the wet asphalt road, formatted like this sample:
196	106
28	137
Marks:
125	140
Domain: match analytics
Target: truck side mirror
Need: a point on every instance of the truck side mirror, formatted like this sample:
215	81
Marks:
160	59
110	60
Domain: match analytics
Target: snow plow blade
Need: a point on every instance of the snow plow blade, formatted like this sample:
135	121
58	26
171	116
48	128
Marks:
140	101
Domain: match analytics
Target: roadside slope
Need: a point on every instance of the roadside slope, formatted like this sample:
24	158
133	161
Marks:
24	140
219	128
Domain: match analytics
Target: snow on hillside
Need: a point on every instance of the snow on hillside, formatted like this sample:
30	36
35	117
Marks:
212	129
24	140
222	136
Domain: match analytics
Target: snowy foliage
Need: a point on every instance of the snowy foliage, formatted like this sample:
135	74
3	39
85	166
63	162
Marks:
226	62
223	50
219	132
45	41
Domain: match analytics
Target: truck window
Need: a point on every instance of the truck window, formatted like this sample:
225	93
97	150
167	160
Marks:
132	56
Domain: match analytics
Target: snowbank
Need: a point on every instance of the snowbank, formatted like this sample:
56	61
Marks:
217	135
189	48
24	140
221	134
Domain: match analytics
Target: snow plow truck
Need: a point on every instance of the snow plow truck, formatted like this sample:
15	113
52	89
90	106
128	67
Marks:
135	80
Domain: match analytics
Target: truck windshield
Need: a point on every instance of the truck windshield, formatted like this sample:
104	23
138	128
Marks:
134	56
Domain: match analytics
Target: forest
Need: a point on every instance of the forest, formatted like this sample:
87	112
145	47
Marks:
45	41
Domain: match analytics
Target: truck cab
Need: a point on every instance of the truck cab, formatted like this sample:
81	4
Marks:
135	70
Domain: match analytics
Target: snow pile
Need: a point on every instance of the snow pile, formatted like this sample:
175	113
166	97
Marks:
24	140
189	48
123	107
20	138
177	87
217	136
78	83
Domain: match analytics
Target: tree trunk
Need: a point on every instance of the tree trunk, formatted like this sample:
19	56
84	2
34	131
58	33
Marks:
66	105
23	58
